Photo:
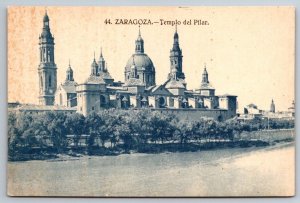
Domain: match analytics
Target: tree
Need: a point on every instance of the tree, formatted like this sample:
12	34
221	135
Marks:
185	130
92	123
74	125
14	136
56	129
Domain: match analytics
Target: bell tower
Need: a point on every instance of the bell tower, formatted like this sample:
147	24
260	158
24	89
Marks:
47	67
176	59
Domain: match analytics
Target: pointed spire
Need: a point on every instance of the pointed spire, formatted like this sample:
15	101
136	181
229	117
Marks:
46	18
101	62
176	35
205	75
139	30
101	58
94	66
272	108
69	73
176	41
139	43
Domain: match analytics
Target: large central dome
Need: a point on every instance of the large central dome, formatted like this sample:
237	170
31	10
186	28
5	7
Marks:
139	65
141	61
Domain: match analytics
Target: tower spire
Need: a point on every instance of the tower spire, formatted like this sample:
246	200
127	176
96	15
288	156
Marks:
101	62
205	75
94	67
272	108
139	30
139	43
69	73
176	58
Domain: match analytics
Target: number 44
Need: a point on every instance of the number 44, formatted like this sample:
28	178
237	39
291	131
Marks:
107	21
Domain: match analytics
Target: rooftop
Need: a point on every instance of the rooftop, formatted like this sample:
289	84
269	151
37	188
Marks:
35	107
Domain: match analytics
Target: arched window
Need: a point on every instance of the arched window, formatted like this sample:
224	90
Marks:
60	99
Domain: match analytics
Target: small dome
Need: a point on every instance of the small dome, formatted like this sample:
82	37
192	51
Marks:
141	62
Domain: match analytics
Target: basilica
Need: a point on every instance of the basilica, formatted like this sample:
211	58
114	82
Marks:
139	89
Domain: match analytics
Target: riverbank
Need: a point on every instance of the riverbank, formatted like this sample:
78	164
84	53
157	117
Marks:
257	139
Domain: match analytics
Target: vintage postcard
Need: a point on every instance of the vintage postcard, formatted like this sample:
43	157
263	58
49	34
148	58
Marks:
151	101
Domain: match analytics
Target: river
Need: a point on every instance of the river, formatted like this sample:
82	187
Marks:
235	172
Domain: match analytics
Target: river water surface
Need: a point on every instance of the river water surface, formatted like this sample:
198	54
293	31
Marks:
235	172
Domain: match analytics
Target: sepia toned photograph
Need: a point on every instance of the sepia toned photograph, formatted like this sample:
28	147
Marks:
151	101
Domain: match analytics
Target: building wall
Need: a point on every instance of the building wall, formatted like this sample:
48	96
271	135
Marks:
89	98
196	114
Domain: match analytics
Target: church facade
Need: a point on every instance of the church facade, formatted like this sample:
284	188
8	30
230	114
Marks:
139	90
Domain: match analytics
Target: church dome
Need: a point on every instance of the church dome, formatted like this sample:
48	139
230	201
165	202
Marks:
141	62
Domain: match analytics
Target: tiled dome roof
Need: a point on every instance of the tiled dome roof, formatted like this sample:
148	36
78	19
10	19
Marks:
141	61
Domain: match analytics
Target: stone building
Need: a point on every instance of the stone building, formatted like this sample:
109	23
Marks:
139	90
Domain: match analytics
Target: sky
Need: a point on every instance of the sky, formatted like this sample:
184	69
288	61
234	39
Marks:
248	51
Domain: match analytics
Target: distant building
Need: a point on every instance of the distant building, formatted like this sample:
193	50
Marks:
272	108
251	111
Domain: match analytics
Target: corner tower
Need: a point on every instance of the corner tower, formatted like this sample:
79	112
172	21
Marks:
47	67
176	59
